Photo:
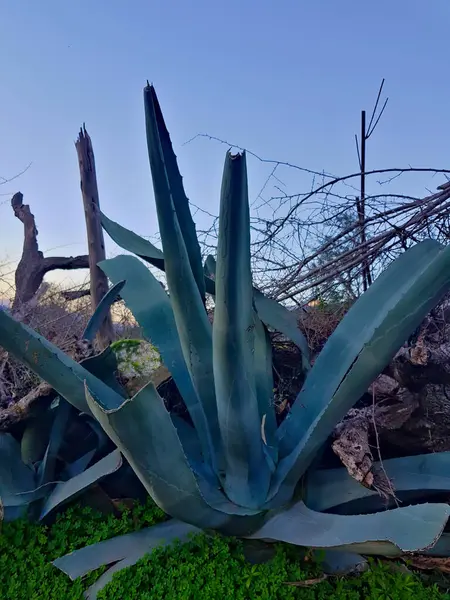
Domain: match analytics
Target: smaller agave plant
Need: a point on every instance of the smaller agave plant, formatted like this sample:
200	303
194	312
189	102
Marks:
231	468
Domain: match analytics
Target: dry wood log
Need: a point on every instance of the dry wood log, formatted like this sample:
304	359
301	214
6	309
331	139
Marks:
33	266
34	403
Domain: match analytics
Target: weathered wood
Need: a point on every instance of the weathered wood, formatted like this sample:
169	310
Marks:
96	244
33	266
35	402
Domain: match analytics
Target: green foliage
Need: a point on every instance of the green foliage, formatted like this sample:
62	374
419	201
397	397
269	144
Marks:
203	569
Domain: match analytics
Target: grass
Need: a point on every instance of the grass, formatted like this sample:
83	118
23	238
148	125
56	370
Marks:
203	569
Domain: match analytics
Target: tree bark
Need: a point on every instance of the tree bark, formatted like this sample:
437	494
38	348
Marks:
33	266
406	411
96	244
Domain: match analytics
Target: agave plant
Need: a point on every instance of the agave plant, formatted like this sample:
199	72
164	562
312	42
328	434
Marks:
231	468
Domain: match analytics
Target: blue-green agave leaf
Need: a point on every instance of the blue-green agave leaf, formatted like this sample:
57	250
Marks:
80	562
425	473
409	529
34	440
359	349
157	133
104	366
194	328
79	465
151	307
209	268
131	242
278	317
102	310
65	375
69	490
272	313
247	472
143	430
265	387
334	562
15	476
46	471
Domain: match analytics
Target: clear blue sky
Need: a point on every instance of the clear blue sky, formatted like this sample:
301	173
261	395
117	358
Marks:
286	79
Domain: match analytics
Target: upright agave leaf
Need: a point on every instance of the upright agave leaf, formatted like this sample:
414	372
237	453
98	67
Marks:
359	349
247	472
155	121
192	321
272	313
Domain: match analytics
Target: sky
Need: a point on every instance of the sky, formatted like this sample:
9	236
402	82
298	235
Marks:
285	79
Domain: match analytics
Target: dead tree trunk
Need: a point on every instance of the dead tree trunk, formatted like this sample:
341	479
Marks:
96	244
33	265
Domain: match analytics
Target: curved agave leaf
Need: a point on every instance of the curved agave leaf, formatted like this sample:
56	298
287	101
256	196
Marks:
151	307
15	476
334	562
285	321
104	367
34	440
42	357
46	471
247	472
102	310
425	473
157	127
358	350
68	490
409	529
124	550
264	388
194	328
143	430
270	312
130	241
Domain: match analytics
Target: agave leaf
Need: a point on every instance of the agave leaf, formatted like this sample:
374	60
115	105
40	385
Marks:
209	268
69	490
104	367
334	562
80	562
34	440
409	529
264	387
51	364
102	310
151	307
194	328
143	430
15	476
79	465
272	313
247	472
130	241
359	349
278	317
157	127
425	473
46	471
